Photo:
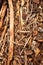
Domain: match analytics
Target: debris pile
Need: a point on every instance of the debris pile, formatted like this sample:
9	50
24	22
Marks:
21	32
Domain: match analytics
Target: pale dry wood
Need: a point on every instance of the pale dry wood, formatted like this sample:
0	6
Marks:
23	31
21	20
27	6
18	8
2	49
18	13
2	9
2	14
4	41
22	2
5	61
25	45
25	56
21	17
37	51
14	62
17	59
16	43
10	53
5	28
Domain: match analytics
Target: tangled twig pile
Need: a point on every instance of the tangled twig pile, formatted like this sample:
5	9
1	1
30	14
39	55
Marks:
21	32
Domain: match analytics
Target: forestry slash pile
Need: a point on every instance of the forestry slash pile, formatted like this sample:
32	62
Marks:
21	32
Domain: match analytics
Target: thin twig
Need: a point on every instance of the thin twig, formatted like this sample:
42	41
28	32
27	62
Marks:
25	55
25	45
10	53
